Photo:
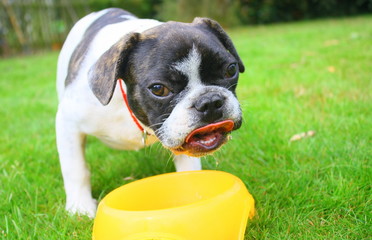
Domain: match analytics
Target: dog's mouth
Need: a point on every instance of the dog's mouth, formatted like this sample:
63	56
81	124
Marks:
206	139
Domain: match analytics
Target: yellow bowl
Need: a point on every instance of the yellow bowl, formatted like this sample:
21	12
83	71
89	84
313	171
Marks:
195	205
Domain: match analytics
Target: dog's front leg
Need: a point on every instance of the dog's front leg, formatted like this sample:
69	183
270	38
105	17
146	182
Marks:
76	175
186	163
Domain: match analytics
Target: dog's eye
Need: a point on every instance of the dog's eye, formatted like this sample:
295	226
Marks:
231	70
159	90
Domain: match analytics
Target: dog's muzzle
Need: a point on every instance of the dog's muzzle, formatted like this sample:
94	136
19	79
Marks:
206	139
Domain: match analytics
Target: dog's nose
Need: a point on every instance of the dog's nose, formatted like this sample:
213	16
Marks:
210	106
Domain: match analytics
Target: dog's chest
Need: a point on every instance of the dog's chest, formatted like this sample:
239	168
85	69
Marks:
122	134
113	124
119	134
122	142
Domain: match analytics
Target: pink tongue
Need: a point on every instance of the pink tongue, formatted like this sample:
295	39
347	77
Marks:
224	126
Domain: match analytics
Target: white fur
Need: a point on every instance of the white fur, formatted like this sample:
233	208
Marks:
186	163
73	39
80	113
190	67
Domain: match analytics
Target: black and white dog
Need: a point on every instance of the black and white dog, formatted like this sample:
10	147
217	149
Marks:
178	79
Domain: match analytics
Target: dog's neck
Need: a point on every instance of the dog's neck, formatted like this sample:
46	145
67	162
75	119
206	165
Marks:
135	120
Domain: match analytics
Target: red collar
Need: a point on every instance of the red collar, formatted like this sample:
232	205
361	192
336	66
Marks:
130	110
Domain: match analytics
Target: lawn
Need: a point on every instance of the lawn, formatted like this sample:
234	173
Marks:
300	77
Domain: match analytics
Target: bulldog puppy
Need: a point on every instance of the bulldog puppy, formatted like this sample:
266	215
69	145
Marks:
178	80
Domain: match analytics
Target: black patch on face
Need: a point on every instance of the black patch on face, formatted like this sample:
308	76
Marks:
113	15
153	60
155	68
214	28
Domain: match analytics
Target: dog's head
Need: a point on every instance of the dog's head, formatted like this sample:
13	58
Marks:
181	81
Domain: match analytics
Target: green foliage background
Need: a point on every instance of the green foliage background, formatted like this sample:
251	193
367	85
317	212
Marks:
30	26
238	12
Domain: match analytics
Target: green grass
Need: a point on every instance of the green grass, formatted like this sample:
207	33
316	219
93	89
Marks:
301	76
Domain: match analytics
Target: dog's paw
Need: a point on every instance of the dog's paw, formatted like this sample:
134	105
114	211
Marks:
85	207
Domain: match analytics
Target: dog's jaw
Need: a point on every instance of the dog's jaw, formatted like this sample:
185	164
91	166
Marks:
206	139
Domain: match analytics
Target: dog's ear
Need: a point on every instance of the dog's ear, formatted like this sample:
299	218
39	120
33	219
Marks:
218	31
110	66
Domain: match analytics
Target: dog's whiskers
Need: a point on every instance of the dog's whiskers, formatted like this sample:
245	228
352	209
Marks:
165	114
164	117
155	124
170	158
159	133
232	85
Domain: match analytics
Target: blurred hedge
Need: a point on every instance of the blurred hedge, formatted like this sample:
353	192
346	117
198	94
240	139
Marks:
237	12
29	25
141	8
268	11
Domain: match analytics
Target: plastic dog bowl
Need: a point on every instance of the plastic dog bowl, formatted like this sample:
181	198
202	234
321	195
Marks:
195	205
